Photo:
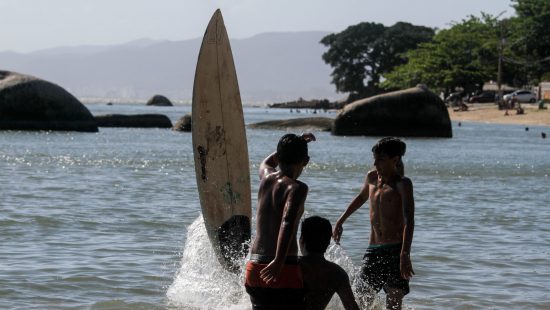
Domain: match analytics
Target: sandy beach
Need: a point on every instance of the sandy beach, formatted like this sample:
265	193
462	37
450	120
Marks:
489	113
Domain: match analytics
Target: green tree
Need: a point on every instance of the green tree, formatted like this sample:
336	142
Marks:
532	48
363	53
464	56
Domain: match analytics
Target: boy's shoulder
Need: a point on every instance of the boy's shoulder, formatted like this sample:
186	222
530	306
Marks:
295	186
405	181
298	184
338	273
404	186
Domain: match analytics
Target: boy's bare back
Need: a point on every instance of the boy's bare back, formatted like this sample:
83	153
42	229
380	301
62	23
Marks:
280	199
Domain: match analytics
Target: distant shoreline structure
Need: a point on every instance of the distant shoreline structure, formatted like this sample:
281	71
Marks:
316	104
94	100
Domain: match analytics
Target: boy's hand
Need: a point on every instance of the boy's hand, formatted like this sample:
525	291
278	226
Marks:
337	233
406	267
271	272
308	136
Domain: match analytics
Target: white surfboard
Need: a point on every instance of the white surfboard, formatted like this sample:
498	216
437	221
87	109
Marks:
220	148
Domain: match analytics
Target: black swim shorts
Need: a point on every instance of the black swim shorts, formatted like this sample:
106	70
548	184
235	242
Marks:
380	268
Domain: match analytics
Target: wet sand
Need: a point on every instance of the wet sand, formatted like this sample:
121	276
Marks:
489	113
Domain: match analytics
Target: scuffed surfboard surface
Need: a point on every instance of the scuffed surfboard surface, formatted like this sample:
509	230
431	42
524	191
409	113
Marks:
220	147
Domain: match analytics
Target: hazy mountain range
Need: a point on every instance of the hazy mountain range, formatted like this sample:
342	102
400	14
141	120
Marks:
271	67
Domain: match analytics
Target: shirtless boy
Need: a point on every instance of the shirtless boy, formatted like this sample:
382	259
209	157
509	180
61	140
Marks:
387	263
322	278
273	277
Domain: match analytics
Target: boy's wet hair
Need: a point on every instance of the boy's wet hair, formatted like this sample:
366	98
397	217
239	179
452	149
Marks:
316	234
390	146
291	149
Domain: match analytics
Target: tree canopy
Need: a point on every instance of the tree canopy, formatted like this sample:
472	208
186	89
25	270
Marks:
363	53
467	54
463	56
532	34
369	57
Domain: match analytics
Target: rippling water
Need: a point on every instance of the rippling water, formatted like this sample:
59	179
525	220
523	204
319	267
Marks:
111	220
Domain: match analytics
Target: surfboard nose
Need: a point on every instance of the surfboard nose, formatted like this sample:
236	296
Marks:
215	32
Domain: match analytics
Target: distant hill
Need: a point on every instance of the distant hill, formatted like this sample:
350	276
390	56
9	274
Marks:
271	67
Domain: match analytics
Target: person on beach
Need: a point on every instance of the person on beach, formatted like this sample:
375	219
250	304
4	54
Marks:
387	263
322	278
273	278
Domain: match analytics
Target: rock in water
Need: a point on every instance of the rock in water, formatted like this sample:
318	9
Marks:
183	124
135	121
30	103
414	112
306	123
159	100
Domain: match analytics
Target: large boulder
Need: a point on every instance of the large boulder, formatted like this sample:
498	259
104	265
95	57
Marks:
306	123
414	112
159	100
136	120
30	103
183	124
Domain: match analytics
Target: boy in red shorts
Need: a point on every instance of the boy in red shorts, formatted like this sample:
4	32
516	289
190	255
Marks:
273	277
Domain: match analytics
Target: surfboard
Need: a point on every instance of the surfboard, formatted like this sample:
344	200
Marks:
220	147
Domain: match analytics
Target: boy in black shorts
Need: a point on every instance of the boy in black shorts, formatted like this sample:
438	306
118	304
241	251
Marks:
387	263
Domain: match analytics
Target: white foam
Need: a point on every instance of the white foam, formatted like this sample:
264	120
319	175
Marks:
201	282
335	253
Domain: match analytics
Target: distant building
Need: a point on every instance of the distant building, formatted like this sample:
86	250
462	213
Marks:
543	91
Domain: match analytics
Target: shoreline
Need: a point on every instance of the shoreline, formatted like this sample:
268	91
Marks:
490	114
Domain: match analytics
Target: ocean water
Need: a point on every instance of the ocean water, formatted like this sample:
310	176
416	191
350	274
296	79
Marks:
111	220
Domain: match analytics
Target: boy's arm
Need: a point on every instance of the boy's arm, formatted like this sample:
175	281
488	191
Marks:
346	295
355	204
289	223
268	165
406	191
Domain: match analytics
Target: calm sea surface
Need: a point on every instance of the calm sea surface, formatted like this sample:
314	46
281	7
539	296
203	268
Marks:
111	220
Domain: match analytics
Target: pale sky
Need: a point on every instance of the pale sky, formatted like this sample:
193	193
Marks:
28	25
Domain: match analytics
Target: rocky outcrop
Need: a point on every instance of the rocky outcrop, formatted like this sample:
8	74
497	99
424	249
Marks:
136	121
30	103
323	104
414	112
159	100
183	124
307	123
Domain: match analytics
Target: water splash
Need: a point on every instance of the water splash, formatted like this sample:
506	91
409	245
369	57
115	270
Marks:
335	253
201	282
